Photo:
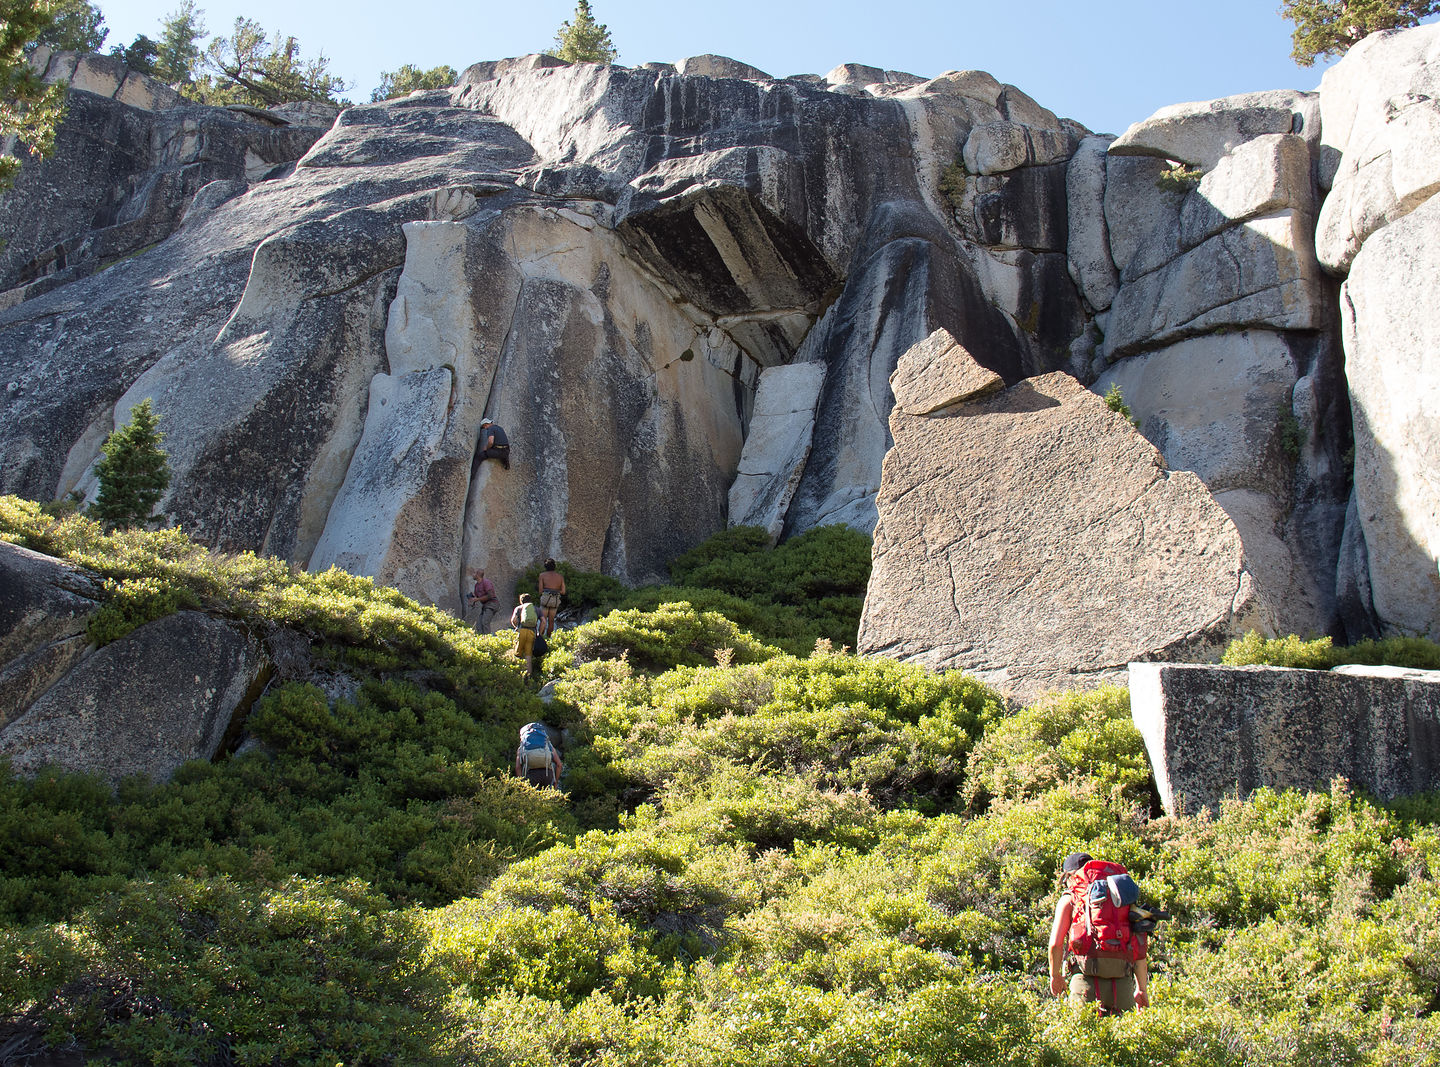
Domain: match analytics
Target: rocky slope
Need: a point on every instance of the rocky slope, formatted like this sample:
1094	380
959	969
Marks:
624	267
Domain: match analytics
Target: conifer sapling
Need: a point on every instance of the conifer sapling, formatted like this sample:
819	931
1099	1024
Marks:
133	471
583	40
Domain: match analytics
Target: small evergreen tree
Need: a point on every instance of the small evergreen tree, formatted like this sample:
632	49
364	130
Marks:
583	40
133	471
30	110
179	53
1332	27
262	71
408	78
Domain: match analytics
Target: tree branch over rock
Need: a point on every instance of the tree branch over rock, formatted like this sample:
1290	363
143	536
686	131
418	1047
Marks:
1333	27
251	68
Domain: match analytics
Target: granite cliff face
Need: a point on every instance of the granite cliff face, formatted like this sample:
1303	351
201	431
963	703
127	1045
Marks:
684	291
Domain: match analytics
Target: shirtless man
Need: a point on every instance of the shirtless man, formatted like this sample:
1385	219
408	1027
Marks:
552	588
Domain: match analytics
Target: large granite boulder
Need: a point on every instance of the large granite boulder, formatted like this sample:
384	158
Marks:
164	694
1380	138
1033	537
1391	334
1213	732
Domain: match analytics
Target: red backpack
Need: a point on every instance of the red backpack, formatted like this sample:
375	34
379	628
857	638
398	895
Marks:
1100	935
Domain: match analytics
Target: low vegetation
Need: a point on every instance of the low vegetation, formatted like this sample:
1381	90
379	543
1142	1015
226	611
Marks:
1321	654
760	857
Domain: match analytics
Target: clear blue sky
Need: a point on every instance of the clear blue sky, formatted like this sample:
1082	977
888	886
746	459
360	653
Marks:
1106	64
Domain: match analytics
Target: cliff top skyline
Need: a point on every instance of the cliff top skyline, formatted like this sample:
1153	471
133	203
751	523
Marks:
1103	65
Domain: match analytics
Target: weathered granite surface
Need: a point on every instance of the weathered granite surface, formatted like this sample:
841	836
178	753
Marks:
144	704
1213	732
1392	334
1033	537
606	221
1380	107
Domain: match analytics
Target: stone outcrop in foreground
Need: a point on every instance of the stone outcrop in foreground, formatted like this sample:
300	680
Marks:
145	704
1213	732
167	692
1034	538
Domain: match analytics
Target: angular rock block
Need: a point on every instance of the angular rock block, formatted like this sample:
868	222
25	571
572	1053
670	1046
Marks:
1034	538
1214	731
938	373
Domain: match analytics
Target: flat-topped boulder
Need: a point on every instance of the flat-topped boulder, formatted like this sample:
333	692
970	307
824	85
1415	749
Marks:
1213	731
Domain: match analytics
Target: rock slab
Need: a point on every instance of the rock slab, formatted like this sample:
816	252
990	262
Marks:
776	446
1214	732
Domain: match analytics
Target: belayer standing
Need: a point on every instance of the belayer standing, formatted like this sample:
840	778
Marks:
1100	935
525	619
493	443
552	588
537	760
484	595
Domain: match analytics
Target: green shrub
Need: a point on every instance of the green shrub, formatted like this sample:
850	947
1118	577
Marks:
672	635
1063	738
1319	654
1179	179
184	971
757	858
132	602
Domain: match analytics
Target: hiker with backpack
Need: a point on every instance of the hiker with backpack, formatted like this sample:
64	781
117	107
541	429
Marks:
537	760
1100	937
552	588
525	619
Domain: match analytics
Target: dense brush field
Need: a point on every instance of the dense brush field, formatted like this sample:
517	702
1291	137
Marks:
768	851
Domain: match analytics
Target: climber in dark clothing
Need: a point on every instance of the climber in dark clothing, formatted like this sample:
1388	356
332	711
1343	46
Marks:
493	443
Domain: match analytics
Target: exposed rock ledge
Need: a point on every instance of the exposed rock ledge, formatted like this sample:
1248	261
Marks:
1213	732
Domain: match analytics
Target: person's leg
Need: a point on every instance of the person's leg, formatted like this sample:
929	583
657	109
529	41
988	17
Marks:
1082	989
525	648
